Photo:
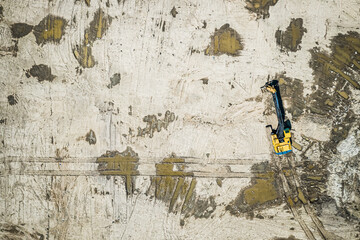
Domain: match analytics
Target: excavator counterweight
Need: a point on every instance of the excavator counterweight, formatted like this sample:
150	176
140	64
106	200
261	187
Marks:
281	136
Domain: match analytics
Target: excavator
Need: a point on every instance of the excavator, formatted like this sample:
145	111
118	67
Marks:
281	136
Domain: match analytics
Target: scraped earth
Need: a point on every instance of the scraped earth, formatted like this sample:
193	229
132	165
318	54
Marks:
145	119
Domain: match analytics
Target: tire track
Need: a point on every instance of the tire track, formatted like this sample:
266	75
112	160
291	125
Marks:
294	181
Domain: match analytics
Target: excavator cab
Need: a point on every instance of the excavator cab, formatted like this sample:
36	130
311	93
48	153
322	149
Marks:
281	136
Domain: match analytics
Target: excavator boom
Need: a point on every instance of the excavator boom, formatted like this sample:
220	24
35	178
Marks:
281	136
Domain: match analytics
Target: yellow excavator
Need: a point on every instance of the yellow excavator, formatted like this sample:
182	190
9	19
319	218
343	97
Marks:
281	136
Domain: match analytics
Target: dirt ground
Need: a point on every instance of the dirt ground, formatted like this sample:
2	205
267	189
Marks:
145	119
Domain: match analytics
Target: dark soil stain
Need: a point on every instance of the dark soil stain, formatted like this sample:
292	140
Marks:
341	128
176	188
260	7
1	12
313	176
154	124
334	73
290	39
114	80
83	53
263	192
10	231
62	153
12	49
99	25
41	72
343	62
91	137
13	230
163	26
97	29
225	41
12	99
3	121
173	12
205	80
50	29
219	181
203	208
114	163
292	90
204	24
291	237
19	30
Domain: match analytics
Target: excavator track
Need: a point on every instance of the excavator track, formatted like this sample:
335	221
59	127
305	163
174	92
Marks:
292	188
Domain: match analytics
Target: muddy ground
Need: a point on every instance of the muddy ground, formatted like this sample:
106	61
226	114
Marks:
145	120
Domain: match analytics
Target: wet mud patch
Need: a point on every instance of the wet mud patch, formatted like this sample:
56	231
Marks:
172	184
314	171
205	80
19	30
91	137
341	128
291	237
42	72
290	39
12	99
219	181
260	7
99	25
120	164
176	188
263	192
61	153
12	50
97	29
83	53
114	80
225	41
153	124
314	175
292	90
1	12
350	188
11	231
173	12
200	208
50	29
335	74
342	63
167	166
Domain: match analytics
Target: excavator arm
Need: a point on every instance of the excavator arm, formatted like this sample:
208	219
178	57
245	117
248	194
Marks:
281	136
